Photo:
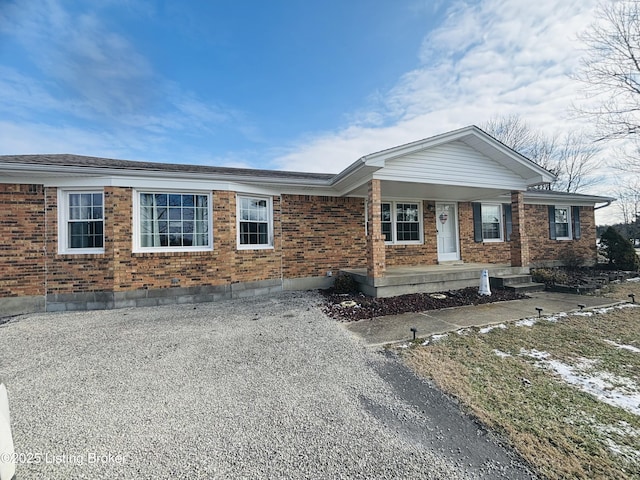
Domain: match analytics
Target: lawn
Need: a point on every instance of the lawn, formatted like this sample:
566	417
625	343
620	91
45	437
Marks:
564	389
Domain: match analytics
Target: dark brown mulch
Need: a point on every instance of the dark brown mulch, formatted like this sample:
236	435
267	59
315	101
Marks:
369	307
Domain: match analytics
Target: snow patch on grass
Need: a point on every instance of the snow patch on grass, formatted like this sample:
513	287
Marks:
621	392
502	326
435	338
526	322
537	354
631	348
500	353
556	317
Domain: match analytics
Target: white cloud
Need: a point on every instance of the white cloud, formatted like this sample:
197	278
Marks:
487	58
89	71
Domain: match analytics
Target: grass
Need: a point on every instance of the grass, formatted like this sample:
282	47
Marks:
563	431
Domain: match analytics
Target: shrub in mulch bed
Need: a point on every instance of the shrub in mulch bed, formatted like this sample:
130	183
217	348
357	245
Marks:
351	307
579	279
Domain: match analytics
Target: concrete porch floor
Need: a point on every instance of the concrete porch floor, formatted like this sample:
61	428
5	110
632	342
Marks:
401	280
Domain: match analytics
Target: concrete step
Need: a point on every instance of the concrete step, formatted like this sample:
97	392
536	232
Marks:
502	281
526	287
516	283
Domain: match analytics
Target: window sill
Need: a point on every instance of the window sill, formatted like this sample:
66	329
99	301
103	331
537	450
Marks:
255	247
392	244
81	252
161	251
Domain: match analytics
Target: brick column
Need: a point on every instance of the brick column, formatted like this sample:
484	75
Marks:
375	239
519	239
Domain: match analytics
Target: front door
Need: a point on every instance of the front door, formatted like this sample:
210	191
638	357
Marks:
447	228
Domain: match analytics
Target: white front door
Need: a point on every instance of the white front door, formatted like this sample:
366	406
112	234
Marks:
447	228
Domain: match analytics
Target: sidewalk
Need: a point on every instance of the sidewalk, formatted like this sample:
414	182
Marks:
396	328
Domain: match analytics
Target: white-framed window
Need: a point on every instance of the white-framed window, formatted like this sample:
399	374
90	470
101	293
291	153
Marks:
80	221
563	222
402	222
492	227
172	221
254	222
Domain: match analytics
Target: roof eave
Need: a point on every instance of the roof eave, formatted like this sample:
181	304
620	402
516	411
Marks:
87	171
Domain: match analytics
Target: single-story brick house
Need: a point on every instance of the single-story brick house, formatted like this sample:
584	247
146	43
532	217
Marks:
88	233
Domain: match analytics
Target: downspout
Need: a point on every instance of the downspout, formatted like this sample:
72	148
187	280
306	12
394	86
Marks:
44	247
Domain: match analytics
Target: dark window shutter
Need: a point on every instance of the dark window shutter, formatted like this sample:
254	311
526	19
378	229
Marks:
575	219
508	223
552	222
477	222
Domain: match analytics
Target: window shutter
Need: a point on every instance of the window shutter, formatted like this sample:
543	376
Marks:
552	222
477	222
575	219
507	220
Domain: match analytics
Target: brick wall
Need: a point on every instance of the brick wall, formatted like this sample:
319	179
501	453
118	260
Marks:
425	254
261	264
73	273
119	269
312	235
321	234
541	247
21	240
481	252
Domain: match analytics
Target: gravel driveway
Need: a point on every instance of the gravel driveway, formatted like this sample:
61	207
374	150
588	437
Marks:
256	388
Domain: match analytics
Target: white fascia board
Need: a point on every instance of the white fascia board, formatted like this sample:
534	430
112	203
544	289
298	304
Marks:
461	183
183	185
378	158
62	172
504	155
354	180
577	200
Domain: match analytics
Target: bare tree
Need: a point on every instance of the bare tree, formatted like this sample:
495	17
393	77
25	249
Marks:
611	70
628	195
576	162
572	158
511	130
628	199
515	133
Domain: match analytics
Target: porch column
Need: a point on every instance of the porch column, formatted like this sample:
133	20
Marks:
519	239
375	239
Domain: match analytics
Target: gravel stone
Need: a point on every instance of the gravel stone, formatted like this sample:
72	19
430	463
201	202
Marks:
266	387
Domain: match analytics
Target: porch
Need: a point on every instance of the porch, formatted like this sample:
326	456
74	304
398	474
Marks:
401	280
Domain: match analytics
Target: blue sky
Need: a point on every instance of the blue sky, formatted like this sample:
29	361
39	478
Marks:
282	84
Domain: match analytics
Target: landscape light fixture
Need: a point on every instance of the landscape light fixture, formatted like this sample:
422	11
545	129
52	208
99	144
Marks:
633	297
414	330
581	305
539	309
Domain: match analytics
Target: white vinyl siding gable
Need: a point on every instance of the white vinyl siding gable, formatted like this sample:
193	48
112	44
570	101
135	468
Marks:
451	164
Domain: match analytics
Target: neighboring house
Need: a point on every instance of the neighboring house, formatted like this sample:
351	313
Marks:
89	233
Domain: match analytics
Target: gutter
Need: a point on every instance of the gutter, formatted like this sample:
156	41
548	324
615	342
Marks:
609	202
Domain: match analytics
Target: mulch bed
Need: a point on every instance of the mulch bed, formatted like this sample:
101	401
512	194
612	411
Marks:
337	305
